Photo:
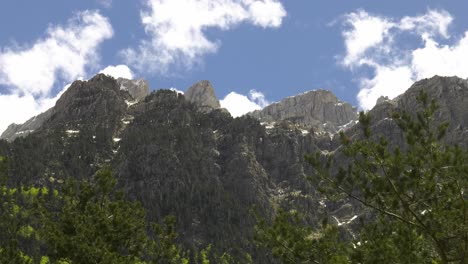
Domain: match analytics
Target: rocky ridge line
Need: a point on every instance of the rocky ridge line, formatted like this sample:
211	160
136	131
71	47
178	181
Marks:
318	110
138	89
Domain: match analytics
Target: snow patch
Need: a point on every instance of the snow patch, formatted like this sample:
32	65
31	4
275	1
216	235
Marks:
322	203
130	103
72	131
116	139
346	222
123	87
24	132
352	219
268	125
345	126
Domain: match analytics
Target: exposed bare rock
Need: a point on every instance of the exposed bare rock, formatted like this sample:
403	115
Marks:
138	89
21	130
202	95
319	110
207	168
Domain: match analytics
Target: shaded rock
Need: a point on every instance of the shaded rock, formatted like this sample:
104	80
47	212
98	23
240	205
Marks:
202	95
207	168
382	99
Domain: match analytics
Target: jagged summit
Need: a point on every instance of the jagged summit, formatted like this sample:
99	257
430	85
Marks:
138	88
203	95
450	94
319	110
76	97
207	168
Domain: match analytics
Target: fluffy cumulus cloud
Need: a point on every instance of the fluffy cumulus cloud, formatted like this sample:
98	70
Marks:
238	104
375	42
31	74
176	29
119	71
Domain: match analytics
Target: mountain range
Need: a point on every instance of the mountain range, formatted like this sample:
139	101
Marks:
182	154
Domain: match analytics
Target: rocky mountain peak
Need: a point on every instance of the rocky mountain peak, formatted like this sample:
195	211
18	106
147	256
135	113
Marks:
21	130
208	169
202	95
74	102
319	110
138	88
94	101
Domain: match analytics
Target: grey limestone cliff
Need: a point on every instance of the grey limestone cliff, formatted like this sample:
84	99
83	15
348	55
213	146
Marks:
138	89
319	110
203	96
21	130
205	167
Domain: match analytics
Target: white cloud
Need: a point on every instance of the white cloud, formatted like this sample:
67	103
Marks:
30	73
432	23
176	29
176	90
366	31
375	41
105	3
436	59
17	109
267	13
119	71
388	81
238	104
63	54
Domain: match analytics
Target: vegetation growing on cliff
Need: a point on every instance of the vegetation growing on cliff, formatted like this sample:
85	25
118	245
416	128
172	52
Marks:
415	197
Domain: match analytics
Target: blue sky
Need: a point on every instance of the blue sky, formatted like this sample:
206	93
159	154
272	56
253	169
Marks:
253	51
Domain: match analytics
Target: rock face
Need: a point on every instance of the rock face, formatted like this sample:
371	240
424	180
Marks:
202	95
138	89
205	167
13	131
317	110
451	95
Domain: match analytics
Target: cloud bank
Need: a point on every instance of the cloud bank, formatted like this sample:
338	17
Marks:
119	71
29	73
381	44
176	29
238	104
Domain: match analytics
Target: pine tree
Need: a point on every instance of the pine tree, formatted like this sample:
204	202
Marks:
416	195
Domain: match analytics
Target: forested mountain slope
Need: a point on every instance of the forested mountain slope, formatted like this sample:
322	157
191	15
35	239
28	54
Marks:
191	159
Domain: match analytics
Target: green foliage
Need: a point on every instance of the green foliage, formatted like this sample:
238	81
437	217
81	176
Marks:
163	249
416	195
207	255
84	222
292	241
11	221
91	222
419	190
